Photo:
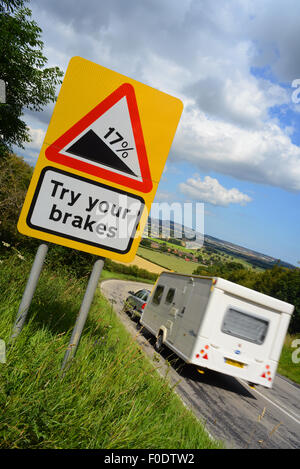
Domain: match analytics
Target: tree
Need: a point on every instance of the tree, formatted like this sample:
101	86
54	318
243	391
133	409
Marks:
9	5
163	247
278	282
22	66
15	175
146	242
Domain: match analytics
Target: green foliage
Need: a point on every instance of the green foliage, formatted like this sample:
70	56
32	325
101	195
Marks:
175	241
287	367
22	66
283	284
15	176
111	397
279	282
132	270
146	242
10	5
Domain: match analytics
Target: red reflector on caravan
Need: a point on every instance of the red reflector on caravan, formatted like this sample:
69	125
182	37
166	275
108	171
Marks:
266	374
205	356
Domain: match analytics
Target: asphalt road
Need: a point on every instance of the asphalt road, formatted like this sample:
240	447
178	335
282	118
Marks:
233	412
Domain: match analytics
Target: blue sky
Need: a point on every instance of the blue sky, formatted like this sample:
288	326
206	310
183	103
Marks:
269	224
233	63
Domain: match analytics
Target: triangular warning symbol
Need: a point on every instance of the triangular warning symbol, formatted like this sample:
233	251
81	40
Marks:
91	147
108	142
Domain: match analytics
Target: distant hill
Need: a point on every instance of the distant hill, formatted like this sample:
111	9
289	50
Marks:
194	240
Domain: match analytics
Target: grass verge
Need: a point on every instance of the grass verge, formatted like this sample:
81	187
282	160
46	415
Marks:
106	274
289	364
111	397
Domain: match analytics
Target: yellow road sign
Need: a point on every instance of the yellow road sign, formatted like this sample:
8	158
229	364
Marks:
101	161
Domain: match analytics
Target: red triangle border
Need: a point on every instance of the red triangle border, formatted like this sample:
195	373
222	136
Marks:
52	152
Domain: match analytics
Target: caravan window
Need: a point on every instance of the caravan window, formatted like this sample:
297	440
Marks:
158	295
170	296
245	326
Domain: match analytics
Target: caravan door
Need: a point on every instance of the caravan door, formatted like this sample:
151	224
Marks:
177	308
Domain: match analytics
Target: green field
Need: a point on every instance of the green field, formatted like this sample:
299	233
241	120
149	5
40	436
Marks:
171	245
168	261
111	397
207	257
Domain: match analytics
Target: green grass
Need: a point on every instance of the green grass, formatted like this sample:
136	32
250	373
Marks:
172	245
106	274
168	261
287	366
111	397
224	257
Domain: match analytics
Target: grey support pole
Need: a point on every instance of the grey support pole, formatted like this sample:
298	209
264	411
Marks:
29	290
2	91
83	312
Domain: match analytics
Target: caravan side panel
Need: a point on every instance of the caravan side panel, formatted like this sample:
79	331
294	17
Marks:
189	319
239	337
177	305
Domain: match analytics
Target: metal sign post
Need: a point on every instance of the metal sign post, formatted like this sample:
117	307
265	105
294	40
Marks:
2	92
29	290
83	312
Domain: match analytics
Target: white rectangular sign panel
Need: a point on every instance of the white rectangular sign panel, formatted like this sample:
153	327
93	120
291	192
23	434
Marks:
71	206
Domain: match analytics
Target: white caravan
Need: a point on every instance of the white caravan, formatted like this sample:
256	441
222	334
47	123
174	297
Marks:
213	323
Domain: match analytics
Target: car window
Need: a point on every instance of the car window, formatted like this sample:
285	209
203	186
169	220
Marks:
139	293
145	296
170	296
158	295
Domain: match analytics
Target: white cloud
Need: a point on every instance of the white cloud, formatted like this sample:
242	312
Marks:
241	100
33	148
164	196
275	29
37	138
265	155
211	191
203	53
